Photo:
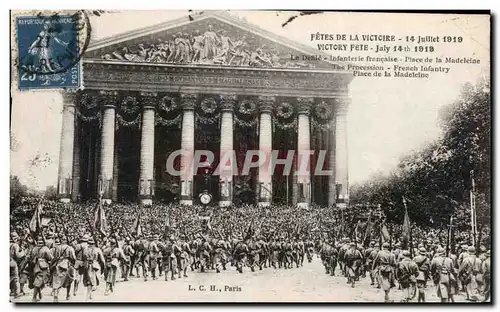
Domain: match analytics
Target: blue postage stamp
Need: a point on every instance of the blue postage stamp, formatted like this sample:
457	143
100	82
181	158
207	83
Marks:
48	49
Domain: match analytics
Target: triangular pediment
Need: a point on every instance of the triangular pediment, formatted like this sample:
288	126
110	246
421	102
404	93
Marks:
213	38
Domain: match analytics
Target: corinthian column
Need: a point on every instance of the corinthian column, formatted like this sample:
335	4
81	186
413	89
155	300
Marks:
188	102
64	183
341	162
146	183
265	147
107	144
303	150
227	161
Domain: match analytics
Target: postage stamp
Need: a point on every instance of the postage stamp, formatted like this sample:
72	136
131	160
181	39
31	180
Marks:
49	51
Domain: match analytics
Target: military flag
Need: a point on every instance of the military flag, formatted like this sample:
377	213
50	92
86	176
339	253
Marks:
36	221
137	225
385	237
100	223
368	231
406	227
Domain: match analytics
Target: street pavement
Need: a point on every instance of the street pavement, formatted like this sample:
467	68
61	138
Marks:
305	284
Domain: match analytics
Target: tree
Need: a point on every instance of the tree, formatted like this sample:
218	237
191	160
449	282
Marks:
436	179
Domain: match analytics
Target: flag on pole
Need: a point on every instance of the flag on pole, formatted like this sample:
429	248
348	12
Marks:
368	230
406	226
36	221
137	225
100	219
384	234
250	231
473	208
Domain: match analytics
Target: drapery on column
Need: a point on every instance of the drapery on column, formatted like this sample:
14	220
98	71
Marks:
188	102
65	174
75	192
341	158
146	177
265	186
332	188
303	148
226	150
109	99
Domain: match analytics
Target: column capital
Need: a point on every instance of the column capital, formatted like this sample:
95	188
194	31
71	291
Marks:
227	102
149	100
304	105
266	103
108	98
188	100
69	97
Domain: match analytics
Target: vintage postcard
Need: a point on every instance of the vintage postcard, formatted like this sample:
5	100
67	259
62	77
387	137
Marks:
250	156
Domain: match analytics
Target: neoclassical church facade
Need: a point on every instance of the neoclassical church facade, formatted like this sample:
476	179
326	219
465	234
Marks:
213	83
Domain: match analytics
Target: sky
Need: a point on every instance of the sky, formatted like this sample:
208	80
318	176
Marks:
387	118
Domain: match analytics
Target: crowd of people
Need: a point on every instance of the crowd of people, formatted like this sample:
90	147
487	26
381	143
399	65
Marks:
74	245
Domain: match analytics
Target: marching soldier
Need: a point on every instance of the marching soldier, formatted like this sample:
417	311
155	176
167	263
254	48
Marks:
239	255
423	264
366	255
275	251
219	250
113	255
309	250
370	259
63	263
263	252
40	258
205	250
128	251
94	261
470	268
154	255
80	267
486	269
17	256
407	272
442	272
169	259
183	258
253	254
384	263
353	260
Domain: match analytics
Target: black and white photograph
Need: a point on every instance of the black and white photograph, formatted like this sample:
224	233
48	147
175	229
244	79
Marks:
260	156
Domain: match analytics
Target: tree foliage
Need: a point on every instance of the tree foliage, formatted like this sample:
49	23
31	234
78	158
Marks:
436	179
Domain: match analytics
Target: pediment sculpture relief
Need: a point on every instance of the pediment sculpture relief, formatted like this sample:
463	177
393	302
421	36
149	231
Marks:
209	47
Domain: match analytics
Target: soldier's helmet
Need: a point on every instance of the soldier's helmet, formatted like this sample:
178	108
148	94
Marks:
482	249
372	243
377	245
85	238
440	251
352	244
488	253
91	241
471	250
406	253
40	240
112	242
422	250
386	245
156	237
57	241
